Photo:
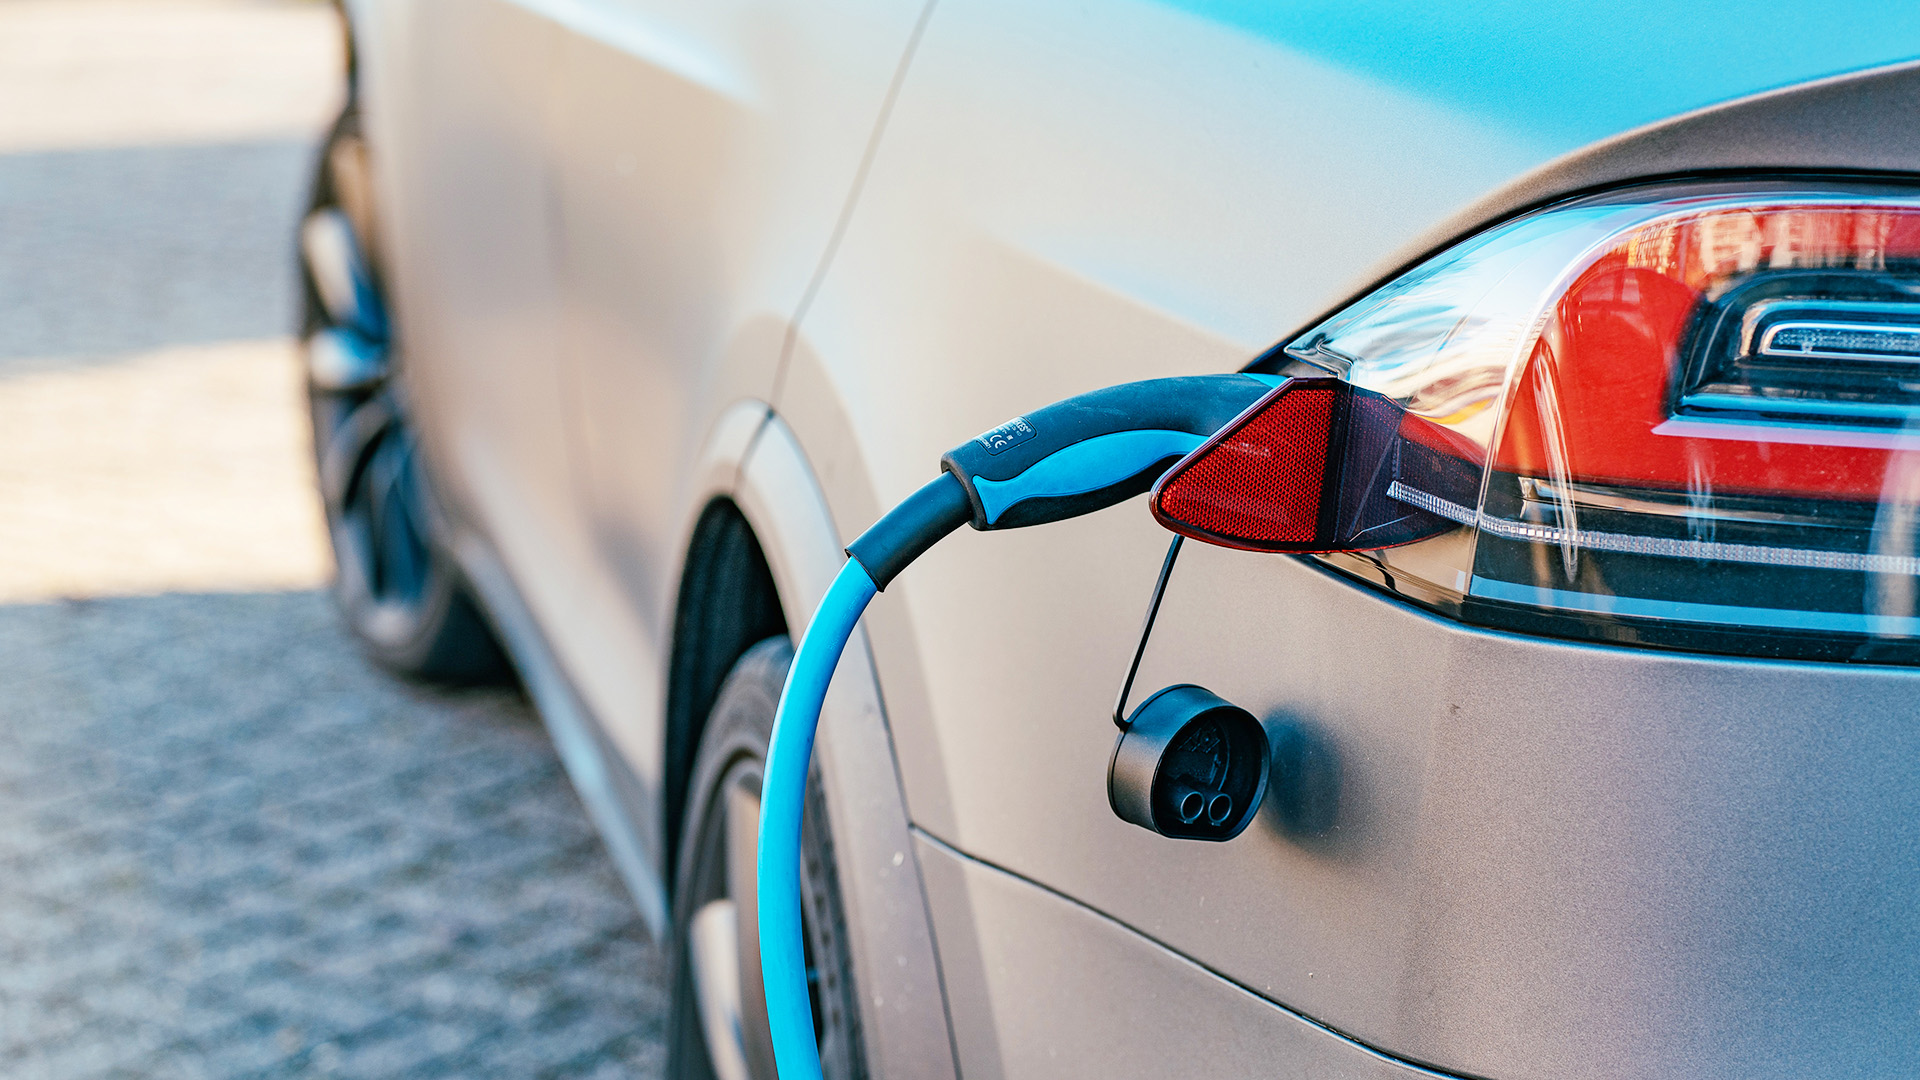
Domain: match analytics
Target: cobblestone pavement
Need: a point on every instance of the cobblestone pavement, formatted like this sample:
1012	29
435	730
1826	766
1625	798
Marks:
228	846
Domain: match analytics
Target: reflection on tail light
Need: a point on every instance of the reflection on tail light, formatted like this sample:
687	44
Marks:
1679	417
1319	465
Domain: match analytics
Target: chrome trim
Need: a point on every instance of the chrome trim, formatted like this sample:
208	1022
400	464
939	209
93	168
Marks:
1755	403
1769	341
1547	493
1670	547
1752	318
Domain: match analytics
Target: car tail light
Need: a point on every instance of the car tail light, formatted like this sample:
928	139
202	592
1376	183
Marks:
1666	416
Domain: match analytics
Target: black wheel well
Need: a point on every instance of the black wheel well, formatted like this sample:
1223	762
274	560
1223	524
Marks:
727	603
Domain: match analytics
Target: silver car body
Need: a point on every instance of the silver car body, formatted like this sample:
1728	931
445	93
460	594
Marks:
650	253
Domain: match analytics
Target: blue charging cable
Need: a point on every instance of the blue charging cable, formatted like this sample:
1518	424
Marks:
1071	458
783	792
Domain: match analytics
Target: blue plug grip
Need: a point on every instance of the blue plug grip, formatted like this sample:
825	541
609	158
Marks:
1083	467
783	964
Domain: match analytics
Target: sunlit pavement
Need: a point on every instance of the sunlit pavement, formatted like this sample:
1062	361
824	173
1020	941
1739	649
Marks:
229	847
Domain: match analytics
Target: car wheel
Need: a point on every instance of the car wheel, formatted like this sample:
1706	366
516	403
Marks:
717	1027
401	593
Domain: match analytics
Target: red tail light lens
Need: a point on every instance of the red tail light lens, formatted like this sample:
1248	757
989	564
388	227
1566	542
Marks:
1259	483
1687	418
1311	468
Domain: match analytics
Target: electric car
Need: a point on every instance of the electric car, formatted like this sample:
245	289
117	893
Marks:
1590	691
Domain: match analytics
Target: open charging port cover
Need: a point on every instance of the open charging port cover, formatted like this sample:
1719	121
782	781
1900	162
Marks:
1189	765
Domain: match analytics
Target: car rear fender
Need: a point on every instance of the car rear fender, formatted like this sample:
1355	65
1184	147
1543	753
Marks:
755	459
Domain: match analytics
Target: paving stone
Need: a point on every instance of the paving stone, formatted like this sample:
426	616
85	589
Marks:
263	923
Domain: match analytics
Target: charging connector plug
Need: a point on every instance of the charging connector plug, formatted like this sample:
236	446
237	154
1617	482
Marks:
1097	449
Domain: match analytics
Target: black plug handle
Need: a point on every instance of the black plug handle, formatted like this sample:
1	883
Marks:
1092	451
904	533
1071	458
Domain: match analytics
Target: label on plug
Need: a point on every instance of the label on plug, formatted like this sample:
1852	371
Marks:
1006	436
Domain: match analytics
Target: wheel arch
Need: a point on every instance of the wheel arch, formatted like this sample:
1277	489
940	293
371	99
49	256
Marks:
727	602
755	493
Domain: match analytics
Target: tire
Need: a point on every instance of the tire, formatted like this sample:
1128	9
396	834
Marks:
399	590
715	867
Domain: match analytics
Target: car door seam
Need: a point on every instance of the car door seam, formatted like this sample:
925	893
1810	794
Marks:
845	218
